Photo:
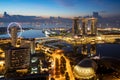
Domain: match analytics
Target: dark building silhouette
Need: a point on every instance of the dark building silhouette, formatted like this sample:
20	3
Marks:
84	28
93	50
13	33
5	15
75	28
95	14
17	58
84	50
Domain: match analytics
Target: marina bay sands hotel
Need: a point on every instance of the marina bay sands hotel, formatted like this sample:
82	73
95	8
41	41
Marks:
81	26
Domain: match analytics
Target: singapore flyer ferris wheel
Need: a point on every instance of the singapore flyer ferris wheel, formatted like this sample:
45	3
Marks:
15	24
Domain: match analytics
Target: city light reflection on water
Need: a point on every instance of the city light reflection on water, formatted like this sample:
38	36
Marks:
28	34
109	50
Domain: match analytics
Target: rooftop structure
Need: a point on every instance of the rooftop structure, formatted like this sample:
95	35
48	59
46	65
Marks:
85	69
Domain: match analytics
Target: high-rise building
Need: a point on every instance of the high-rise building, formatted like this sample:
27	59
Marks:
17	58
95	14
13	32
84	23
32	44
75	27
93	26
84	28
5	15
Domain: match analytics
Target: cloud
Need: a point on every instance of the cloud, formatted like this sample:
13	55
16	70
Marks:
103	11
68	3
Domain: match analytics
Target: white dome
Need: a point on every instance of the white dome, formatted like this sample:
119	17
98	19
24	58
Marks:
85	69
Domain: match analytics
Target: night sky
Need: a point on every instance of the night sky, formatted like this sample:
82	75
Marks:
63	8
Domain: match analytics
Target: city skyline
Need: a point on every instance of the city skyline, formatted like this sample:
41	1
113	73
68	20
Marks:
63	8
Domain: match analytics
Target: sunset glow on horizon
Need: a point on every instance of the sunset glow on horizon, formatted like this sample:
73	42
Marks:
63	8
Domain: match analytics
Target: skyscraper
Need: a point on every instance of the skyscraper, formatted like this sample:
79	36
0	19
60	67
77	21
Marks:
5	15
13	32
75	27
16	59
84	28
95	14
93	26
